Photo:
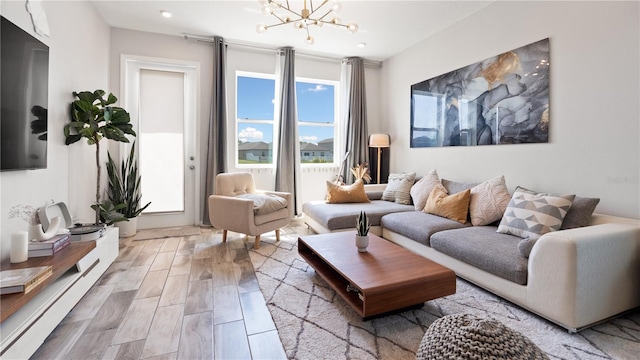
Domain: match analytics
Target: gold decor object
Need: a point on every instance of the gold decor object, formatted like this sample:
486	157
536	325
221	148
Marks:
314	15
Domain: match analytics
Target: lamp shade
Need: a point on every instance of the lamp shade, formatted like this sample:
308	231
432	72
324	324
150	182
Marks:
379	141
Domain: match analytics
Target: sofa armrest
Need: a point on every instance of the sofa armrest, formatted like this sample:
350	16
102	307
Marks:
374	187
587	274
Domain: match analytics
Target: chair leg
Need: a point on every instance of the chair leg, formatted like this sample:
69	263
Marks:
224	235
277	234
256	245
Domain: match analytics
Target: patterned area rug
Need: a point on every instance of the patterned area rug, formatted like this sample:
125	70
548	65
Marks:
314	322
167	232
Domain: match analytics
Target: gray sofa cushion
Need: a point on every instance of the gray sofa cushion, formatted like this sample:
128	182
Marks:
418	226
454	187
482	247
343	216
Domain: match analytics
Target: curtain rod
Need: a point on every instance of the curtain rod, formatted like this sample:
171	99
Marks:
270	48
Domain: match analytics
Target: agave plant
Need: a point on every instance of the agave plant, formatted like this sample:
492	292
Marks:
124	185
363	224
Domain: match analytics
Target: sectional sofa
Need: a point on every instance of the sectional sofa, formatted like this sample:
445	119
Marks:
573	277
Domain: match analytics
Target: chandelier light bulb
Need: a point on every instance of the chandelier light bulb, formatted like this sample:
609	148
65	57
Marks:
309	40
299	25
336	7
353	27
267	10
336	20
261	28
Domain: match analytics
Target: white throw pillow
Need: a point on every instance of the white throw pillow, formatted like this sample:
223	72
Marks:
489	200
398	188
421	190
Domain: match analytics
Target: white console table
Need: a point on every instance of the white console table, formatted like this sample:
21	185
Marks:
27	319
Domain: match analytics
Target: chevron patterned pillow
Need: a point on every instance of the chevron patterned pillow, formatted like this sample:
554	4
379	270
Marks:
531	214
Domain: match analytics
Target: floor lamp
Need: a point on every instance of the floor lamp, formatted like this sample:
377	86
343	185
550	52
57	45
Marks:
379	141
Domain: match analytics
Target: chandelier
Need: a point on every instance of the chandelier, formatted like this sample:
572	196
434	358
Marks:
305	18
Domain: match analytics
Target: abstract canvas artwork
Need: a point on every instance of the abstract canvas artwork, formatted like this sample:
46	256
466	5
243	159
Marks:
501	100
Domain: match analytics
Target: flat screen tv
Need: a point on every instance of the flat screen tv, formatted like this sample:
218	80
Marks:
24	79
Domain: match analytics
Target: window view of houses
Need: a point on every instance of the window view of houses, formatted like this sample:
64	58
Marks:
260	152
317	117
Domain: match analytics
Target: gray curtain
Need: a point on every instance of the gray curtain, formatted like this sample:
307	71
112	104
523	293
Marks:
288	155
217	139
354	115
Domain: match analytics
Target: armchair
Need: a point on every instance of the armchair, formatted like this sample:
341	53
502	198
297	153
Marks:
237	206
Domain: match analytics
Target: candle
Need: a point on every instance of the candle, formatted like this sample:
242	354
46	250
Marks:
19	247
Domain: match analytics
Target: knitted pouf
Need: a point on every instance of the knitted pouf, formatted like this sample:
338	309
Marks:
465	336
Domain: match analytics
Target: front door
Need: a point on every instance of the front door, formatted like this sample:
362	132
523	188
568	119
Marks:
161	96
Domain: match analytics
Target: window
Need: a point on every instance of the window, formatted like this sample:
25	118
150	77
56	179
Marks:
317	114
254	118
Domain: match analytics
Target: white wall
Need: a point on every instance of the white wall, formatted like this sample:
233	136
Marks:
239	58
594	145
78	60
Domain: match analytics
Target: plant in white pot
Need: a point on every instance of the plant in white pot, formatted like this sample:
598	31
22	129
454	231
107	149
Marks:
94	118
124	191
362	228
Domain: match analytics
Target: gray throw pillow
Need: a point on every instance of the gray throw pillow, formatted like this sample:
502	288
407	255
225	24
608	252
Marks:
525	246
264	204
579	214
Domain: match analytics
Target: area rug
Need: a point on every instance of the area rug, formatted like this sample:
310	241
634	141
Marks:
314	322
167	232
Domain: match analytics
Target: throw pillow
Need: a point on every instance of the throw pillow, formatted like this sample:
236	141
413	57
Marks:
264	204
531	214
488	201
354	193
525	246
453	207
398	188
579	214
420	190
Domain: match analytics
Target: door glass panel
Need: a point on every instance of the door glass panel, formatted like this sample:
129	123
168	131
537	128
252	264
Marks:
161	141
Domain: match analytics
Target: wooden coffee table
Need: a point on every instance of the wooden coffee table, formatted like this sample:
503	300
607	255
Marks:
386	278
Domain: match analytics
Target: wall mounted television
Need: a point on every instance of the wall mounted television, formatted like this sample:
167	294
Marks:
24	79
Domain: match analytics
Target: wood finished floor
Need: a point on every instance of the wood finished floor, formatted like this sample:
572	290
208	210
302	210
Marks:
190	297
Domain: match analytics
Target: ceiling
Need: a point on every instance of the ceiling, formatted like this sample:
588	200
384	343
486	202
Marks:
386	27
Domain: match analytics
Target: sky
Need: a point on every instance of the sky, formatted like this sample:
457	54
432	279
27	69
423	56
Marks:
256	101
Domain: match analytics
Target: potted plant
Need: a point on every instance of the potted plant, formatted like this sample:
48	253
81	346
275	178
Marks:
124	189
362	228
93	117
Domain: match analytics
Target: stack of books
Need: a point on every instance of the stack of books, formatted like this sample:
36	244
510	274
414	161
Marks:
23	280
49	247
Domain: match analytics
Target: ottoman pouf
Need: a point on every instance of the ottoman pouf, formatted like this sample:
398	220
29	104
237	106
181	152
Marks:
465	336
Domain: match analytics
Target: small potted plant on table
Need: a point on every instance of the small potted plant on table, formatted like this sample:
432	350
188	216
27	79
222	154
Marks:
362	227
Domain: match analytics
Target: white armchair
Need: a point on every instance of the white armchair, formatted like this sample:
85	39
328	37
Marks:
237	206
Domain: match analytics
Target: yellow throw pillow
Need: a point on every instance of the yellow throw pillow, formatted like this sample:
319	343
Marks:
353	193
454	207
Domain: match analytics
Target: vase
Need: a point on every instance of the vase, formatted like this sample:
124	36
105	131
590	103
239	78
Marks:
362	242
36	232
127	228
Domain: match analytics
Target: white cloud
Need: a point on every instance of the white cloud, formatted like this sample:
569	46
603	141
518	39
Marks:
250	133
310	139
319	87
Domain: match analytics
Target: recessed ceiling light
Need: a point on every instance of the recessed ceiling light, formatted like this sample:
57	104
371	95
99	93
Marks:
361	45
165	13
